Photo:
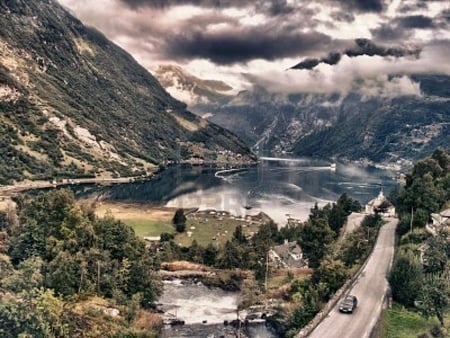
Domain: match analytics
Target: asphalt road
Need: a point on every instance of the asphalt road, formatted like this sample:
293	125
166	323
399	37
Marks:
370	288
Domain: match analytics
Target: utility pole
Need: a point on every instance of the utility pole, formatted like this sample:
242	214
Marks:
267	270
98	277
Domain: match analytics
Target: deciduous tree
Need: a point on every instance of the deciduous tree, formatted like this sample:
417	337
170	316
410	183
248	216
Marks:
434	297
315	239
406	278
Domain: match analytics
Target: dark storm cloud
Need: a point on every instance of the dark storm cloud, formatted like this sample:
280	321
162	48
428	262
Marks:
361	5
343	16
405	8
415	21
445	15
273	7
280	7
401	27
246	45
390	32
363	47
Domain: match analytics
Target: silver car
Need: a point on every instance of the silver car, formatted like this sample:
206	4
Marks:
348	304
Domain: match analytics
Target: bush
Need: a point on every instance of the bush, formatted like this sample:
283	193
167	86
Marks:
406	278
166	237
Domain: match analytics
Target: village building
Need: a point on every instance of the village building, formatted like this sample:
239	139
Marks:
440	220
381	205
287	255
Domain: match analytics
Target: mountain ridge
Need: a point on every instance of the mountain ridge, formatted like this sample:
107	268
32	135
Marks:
391	130
74	104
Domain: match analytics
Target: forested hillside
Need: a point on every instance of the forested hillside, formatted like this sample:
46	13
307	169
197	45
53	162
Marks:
66	273
386	129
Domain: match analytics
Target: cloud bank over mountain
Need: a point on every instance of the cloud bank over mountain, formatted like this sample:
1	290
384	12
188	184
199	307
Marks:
334	45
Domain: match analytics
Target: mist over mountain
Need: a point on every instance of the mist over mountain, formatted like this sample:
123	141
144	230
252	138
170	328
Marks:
371	122
72	103
195	92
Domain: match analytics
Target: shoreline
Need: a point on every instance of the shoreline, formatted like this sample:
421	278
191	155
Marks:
26	185
12	190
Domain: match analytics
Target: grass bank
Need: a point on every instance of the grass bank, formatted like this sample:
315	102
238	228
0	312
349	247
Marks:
399	322
146	220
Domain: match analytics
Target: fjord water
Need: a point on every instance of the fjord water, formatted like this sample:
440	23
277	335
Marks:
280	188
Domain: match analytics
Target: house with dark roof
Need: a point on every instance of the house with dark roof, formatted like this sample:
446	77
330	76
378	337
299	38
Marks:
287	255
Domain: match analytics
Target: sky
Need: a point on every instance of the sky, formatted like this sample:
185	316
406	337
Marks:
335	45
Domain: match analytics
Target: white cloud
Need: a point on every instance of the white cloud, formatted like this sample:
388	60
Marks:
384	87
374	75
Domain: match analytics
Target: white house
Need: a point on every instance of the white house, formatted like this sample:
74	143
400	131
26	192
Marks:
380	201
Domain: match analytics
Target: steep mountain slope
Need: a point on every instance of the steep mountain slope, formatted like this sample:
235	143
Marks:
74	104
273	123
352	126
386	129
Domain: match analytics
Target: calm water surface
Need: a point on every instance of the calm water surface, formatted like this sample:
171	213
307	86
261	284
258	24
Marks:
281	189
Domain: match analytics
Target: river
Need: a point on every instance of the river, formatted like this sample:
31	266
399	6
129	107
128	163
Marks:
204	311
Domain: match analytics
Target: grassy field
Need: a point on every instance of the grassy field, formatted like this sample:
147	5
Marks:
144	228
146	220
152	221
211	230
399	322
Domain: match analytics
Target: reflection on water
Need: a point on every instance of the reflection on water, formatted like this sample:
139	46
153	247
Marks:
276	188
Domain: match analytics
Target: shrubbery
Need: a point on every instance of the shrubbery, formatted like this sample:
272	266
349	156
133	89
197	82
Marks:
59	253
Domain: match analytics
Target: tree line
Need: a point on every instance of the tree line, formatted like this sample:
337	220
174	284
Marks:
55	253
420	274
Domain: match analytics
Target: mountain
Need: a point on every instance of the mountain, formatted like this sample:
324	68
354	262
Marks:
196	92
72	103
378	128
382	129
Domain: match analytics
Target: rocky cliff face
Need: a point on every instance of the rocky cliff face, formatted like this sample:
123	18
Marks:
72	103
391	130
